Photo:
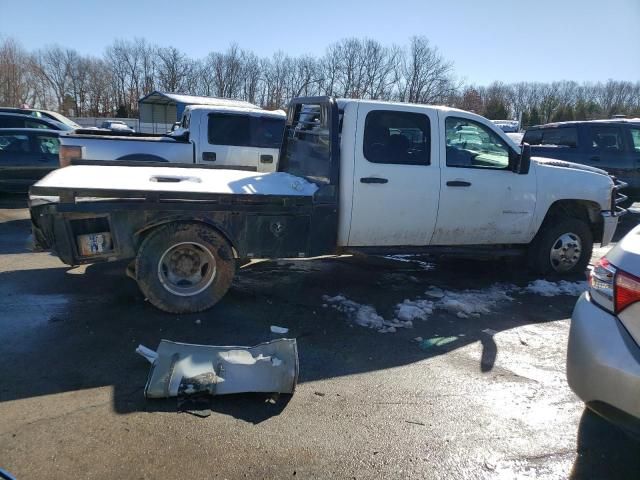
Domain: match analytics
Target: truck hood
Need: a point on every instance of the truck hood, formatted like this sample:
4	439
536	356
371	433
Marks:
552	162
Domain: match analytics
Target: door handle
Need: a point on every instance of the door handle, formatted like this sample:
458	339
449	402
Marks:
458	183
209	156
266	158
595	158
373	180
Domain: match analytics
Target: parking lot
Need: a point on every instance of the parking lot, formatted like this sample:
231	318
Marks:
480	394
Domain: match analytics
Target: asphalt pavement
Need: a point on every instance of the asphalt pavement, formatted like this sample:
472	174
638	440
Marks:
483	397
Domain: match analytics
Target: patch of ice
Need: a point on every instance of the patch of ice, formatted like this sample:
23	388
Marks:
546	288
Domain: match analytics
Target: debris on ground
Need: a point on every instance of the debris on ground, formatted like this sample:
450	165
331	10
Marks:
428	343
184	370
147	353
281	330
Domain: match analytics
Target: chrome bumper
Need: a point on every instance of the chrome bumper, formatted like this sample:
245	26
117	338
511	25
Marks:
609	225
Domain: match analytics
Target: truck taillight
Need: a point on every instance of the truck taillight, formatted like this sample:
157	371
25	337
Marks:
627	290
68	153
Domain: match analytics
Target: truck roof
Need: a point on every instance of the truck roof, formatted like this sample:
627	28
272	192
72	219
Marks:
344	101
238	109
621	121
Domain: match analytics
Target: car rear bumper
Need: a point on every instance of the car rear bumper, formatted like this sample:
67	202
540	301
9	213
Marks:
603	361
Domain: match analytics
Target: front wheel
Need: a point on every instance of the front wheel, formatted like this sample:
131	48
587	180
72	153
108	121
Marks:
184	267
562	247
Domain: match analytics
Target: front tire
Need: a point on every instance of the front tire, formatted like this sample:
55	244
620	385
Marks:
184	267
561	247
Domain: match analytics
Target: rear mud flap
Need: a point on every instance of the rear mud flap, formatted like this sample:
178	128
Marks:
182	369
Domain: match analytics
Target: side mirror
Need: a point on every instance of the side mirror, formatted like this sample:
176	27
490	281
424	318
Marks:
523	161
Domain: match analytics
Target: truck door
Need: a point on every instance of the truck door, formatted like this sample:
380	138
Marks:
482	200
396	182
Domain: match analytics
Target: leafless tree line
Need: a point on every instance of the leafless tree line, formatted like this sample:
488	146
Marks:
61	79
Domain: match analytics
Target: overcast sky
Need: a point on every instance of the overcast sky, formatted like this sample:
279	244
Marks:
542	40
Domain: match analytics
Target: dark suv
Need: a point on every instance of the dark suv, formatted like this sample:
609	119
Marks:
612	145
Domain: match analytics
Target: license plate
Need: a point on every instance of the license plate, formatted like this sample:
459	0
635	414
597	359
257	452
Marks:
94	243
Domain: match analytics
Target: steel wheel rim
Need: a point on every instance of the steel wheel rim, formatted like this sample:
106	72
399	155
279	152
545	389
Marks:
565	252
186	269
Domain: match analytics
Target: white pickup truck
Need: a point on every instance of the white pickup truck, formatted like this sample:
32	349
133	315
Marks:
354	176
221	136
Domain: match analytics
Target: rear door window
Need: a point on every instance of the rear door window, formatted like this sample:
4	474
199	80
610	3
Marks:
397	137
11	122
266	132
13	145
606	138
227	129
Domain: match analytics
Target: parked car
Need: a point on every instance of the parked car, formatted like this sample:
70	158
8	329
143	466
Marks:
17	120
219	136
603	357
612	145
351	180
116	126
46	114
508	126
26	155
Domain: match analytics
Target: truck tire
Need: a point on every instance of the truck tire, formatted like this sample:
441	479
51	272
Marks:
184	267
563	246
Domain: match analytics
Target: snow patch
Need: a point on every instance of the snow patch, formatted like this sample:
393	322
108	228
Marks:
473	303
546	288
365	315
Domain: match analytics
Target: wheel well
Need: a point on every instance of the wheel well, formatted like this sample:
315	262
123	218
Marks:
584	210
141	234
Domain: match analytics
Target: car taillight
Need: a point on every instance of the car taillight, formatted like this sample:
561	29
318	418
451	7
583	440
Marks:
67	153
627	290
612	288
601	284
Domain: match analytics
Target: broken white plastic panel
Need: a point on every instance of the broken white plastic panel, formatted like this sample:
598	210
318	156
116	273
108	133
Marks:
186	369
277	329
147	353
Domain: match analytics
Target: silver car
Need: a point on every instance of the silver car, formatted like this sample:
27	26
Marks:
603	357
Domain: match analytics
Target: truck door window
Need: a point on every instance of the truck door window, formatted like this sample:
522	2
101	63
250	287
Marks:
225	129
397	137
47	144
635	138
473	145
607	138
561	137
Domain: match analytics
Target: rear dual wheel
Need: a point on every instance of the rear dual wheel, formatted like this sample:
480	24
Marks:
184	267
